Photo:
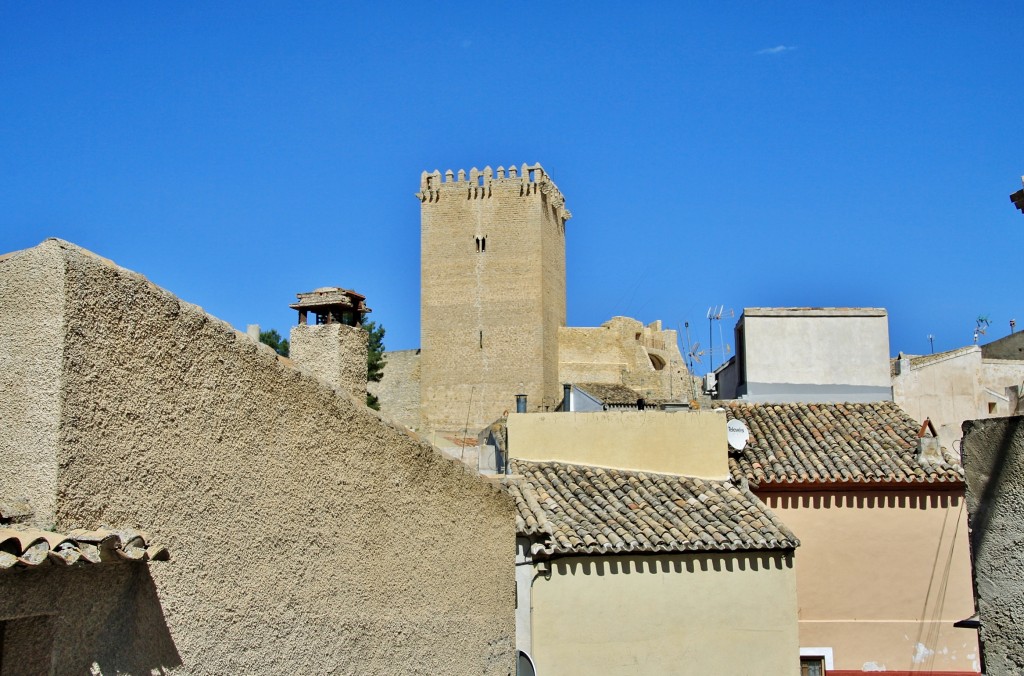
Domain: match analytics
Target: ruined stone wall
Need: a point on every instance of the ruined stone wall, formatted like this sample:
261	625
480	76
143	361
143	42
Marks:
492	293
399	388
335	353
993	457
306	535
624	351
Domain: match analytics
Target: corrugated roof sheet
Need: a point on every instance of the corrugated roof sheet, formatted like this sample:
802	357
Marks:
24	547
796	443
580	509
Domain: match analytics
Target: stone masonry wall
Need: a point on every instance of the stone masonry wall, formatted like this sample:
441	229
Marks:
624	351
492	293
993	457
306	534
399	388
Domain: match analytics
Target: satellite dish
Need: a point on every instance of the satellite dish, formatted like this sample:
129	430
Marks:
738	434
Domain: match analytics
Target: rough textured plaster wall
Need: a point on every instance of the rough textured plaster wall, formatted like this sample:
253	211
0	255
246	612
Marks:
399	387
31	350
993	456
335	353
113	609
307	535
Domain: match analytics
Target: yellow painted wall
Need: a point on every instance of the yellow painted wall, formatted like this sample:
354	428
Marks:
722	614
882	577
686	442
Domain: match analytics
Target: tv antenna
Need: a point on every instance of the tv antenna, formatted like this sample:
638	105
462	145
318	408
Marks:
981	325
693	351
716	314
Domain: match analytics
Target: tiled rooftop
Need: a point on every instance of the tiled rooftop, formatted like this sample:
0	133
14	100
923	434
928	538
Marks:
831	444
579	509
24	547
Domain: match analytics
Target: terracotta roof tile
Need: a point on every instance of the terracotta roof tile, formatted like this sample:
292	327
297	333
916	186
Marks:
580	509
24	547
833	443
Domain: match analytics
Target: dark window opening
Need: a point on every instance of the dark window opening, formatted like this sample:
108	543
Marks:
812	666
478	245
481	340
483	244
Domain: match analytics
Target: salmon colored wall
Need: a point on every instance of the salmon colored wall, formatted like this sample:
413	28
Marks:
882	577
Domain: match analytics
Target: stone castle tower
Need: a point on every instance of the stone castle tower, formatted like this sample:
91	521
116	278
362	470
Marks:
492	293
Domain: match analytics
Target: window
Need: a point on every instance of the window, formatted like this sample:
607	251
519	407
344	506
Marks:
815	661
991	407
812	666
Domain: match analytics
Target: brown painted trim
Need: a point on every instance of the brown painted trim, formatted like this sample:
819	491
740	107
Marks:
858	672
826	486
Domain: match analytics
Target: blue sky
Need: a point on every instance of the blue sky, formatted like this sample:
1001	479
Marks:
769	154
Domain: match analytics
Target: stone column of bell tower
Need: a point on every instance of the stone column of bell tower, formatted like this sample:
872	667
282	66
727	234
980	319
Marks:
492	293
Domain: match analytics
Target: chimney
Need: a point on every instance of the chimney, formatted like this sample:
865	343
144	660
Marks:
334	347
928	447
902	364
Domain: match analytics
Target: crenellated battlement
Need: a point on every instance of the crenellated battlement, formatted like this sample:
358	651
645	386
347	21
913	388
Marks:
480	184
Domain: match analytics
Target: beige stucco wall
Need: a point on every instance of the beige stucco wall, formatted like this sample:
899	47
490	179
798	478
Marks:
946	391
334	353
956	388
824	347
620	352
729	614
692	443
489	319
996	376
306	535
882	577
399	388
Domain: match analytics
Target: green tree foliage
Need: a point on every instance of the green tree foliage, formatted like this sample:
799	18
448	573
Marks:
374	358
274	340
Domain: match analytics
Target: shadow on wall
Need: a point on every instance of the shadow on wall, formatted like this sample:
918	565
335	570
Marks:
993	477
102	620
861	500
678	563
